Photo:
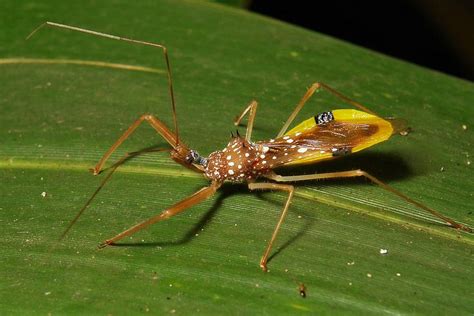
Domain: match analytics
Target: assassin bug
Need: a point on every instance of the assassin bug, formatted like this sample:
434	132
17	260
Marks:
322	137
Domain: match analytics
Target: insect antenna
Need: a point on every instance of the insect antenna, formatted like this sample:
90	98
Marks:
119	38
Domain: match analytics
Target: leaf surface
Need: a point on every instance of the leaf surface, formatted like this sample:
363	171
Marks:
58	118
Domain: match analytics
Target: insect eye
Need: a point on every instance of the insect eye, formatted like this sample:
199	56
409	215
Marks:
192	156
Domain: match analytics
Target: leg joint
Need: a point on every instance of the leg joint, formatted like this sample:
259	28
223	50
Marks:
147	116
316	85
360	172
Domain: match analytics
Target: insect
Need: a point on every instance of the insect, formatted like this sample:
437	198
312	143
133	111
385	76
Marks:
302	290
325	136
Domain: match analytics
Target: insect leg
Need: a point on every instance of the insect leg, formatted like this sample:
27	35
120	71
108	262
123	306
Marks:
361	173
175	209
252	107
309	93
102	184
273	186
118	38
159	126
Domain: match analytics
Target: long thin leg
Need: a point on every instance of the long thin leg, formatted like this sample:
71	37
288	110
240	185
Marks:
177	208
361	173
159	126
252	108
99	188
114	37
315	87
273	186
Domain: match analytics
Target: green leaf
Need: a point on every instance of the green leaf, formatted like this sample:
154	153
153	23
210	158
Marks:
58	118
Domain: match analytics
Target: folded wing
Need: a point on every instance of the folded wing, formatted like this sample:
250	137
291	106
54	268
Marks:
328	135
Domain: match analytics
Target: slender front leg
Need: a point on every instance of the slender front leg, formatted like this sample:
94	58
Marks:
159	126
315	87
252	107
177	208
102	184
273	186
361	173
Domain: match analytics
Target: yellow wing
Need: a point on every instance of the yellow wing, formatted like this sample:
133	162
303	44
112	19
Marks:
345	131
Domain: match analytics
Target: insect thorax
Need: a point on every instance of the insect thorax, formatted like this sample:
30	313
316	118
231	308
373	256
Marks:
239	161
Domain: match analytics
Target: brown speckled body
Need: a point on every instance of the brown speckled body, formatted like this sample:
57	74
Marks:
239	161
